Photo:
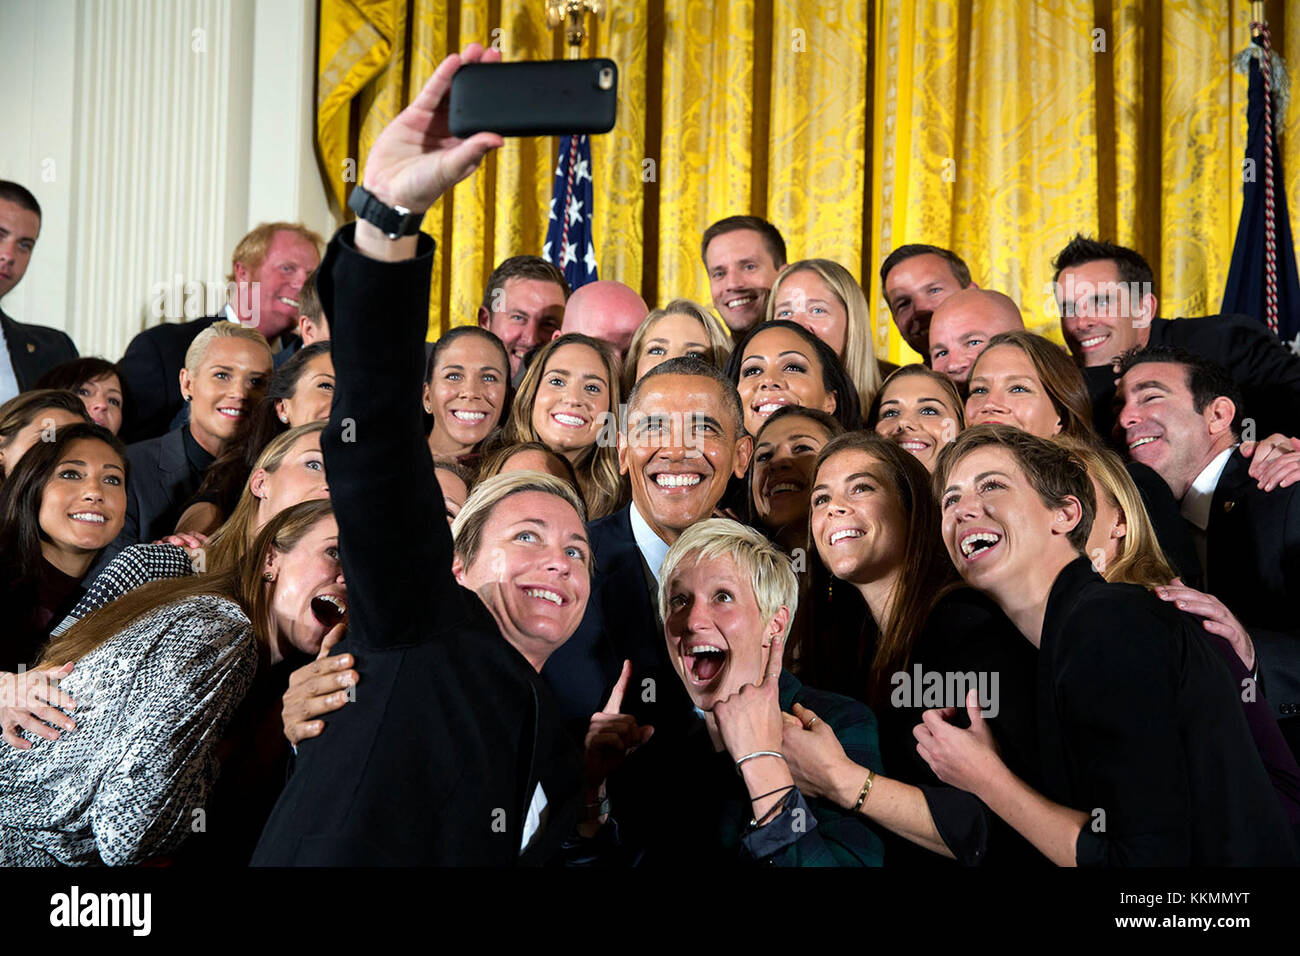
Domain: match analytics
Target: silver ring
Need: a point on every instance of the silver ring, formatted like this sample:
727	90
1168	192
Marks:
811	722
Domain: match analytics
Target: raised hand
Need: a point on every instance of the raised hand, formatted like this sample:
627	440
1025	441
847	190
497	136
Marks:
32	701
1217	618
416	159
965	759
612	736
750	719
320	687
813	752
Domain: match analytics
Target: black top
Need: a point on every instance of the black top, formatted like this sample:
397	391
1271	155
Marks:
967	642
1265	370
452	732
165	471
1140	726
150	375
29	611
620	623
678	802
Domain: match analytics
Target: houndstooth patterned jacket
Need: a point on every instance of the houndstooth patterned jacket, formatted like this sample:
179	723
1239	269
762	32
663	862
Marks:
151	704
131	568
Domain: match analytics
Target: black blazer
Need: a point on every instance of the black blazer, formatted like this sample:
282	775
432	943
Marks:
1140	726
452	731
621	623
1266	371
151	383
1252	549
34	349
161	480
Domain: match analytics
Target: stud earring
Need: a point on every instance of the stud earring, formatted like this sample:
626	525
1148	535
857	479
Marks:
268	576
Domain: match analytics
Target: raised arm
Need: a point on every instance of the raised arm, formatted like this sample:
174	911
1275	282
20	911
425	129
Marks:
395	544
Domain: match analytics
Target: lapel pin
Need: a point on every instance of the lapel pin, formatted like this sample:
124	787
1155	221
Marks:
31	346
1228	505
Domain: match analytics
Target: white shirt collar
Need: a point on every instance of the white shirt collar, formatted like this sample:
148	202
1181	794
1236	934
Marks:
652	547
1196	503
231	316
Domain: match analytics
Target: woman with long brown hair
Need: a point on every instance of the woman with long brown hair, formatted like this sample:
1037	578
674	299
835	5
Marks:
63	504
569	400
1024	380
876	527
155	677
290	470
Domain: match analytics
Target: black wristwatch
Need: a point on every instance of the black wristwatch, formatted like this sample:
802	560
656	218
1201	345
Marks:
392	221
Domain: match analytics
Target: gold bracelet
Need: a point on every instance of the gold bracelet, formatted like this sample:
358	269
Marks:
866	789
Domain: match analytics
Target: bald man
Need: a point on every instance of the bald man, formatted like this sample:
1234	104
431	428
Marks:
605	310
961	327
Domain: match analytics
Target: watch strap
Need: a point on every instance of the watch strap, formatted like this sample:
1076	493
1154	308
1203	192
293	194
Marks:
392	221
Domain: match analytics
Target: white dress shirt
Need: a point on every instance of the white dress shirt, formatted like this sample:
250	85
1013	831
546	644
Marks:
652	547
8	377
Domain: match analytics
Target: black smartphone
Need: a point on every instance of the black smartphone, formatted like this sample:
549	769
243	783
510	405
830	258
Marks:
534	98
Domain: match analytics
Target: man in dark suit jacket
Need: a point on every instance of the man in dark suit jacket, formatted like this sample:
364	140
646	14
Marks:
32	349
685	439
269	267
1181	416
1106	293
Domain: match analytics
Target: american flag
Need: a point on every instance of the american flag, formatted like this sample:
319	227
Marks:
568	235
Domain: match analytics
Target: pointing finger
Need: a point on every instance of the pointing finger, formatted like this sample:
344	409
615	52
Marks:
615	703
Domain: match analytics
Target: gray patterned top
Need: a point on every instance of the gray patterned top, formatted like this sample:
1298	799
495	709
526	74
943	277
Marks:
125	785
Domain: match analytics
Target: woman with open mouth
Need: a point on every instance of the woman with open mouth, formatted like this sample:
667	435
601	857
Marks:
63	504
919	410
466	393
1126	685
115	765
722	793
569	400
876	527
781	363
1027	382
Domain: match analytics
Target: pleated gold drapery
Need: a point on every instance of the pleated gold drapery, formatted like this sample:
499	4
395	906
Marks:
997	128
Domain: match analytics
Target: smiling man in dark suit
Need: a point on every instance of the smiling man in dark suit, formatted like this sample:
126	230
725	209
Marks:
685	439
1182	417
268	269
26	351
1106	295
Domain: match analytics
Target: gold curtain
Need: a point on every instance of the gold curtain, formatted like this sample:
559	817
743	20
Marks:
997	128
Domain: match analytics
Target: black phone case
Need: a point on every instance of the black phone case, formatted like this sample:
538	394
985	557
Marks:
545	98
